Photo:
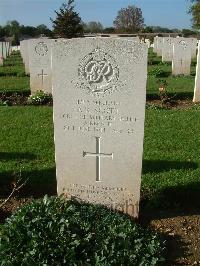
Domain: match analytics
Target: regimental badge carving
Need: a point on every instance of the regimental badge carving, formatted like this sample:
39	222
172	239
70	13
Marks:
183	44
41	48
98	72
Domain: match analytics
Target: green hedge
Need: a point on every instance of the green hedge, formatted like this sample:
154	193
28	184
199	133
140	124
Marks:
53	231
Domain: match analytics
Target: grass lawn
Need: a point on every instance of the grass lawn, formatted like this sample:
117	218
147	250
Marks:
171	166
27	146
12	76
181	86
14	84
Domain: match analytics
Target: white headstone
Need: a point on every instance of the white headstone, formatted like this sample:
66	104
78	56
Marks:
159	46
155	44
167	51
147	41
4	50
8	52
194	47
25	55
40	65
181	62
197	78
1	53
99	87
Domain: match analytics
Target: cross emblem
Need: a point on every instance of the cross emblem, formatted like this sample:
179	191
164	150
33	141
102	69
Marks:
42	75
98	154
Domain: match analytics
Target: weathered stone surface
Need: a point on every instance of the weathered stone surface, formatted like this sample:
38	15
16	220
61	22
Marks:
99	87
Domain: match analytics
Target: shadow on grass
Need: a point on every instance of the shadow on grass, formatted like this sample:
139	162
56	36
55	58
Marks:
171	206
175	96
177	197
40	183
9	156
10	93
157	166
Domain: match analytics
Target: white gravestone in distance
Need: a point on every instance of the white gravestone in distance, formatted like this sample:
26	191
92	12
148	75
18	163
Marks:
197	78
1	53
194	47
147	41
181	62
99	105
4	50
155	44
167	51
25	54
159	46
40	65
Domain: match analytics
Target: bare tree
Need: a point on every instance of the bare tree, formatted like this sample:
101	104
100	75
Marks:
129	20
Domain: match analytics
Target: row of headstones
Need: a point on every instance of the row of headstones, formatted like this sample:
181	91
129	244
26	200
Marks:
36	54
180	51
39	65
99	92
5	51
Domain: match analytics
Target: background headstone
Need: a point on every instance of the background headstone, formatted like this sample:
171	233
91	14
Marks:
181	62
159	46
25	54
167	49
155	44
197	78
1	53
40	65
194	47
4	49
99	87
147	41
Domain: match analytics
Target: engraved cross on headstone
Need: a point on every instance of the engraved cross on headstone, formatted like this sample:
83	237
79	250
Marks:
42	75
98	154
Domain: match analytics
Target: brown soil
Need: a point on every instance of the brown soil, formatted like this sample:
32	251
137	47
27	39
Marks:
179	104
180	229
14	99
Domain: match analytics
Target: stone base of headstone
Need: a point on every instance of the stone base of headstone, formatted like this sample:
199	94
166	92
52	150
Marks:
181	68
196	98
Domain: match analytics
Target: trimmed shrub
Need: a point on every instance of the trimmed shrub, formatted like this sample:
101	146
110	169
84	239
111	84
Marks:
40	98
158	72
56	232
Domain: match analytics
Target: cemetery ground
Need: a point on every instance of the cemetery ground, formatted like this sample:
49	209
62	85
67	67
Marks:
171	173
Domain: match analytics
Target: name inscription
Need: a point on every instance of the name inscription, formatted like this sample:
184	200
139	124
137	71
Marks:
98	116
